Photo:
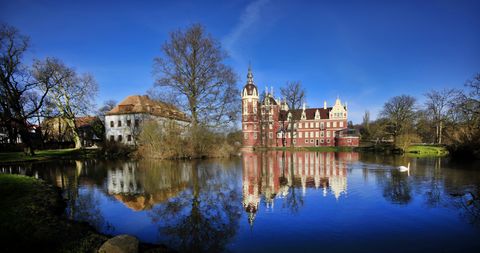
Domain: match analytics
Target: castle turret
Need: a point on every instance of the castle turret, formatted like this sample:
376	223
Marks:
250	112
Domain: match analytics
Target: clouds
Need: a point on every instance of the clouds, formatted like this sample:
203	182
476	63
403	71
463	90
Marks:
249	17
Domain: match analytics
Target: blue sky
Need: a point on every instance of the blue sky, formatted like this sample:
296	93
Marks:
363	51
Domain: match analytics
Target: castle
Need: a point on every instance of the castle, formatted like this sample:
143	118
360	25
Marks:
266	122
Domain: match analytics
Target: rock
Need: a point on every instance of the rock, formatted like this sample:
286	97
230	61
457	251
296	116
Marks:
120	244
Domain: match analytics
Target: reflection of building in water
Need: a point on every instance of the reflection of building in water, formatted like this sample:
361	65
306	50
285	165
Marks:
142	185
275	173
122	179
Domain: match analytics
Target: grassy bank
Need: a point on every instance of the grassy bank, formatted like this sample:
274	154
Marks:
31	218
427	150
42	155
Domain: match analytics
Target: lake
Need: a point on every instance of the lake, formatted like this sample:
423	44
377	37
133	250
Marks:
276	201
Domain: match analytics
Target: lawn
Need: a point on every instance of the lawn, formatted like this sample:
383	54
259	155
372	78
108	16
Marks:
41	155
427	150
31	218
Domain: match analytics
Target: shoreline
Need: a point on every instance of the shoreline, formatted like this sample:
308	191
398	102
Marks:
65	154
32	217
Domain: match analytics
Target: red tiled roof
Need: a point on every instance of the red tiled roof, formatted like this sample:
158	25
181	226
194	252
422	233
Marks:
143	104
84	121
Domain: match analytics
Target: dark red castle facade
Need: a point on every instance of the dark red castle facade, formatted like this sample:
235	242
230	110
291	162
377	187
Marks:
266	122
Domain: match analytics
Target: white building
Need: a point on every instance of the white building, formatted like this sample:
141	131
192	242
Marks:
123	122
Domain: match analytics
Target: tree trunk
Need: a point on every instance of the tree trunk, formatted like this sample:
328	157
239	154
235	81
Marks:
27	141
440	133
75	136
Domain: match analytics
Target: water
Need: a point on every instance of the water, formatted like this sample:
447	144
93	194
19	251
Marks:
276	202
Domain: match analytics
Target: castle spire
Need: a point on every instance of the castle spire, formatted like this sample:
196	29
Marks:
249	75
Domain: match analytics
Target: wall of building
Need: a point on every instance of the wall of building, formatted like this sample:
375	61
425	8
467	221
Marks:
126	133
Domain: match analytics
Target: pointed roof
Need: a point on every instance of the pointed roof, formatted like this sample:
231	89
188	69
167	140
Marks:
250	86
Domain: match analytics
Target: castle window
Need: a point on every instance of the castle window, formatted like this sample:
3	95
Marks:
294	141
328	140
306	140
311	134
328	133
299	125
254	126
322	125
255	136
316	134
245	136
311	124
270	125
300	135
321	134
129	137
112	138
328	124
137	122
334	124
311	140
129	122
341	123
306	134
119	123
316	124
119	138
321	140
111	123
270	135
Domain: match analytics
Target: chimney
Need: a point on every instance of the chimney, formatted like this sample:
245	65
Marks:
325	104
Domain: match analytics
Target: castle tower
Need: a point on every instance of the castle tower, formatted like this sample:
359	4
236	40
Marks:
250	112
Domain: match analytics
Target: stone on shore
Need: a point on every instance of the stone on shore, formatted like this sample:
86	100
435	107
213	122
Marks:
120	244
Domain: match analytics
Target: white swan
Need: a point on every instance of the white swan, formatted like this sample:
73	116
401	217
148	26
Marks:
403	168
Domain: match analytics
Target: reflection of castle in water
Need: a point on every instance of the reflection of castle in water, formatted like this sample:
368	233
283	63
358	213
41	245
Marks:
276	174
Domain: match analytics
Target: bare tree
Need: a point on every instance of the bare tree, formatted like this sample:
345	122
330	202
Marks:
365	131
466	115
294	95
192	68
72	94
438	105
20	96
107	106
400	114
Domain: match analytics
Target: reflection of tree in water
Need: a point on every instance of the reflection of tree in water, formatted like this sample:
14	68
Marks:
396	189
395	185
433	193
205	217
83	206
86	208
293	200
